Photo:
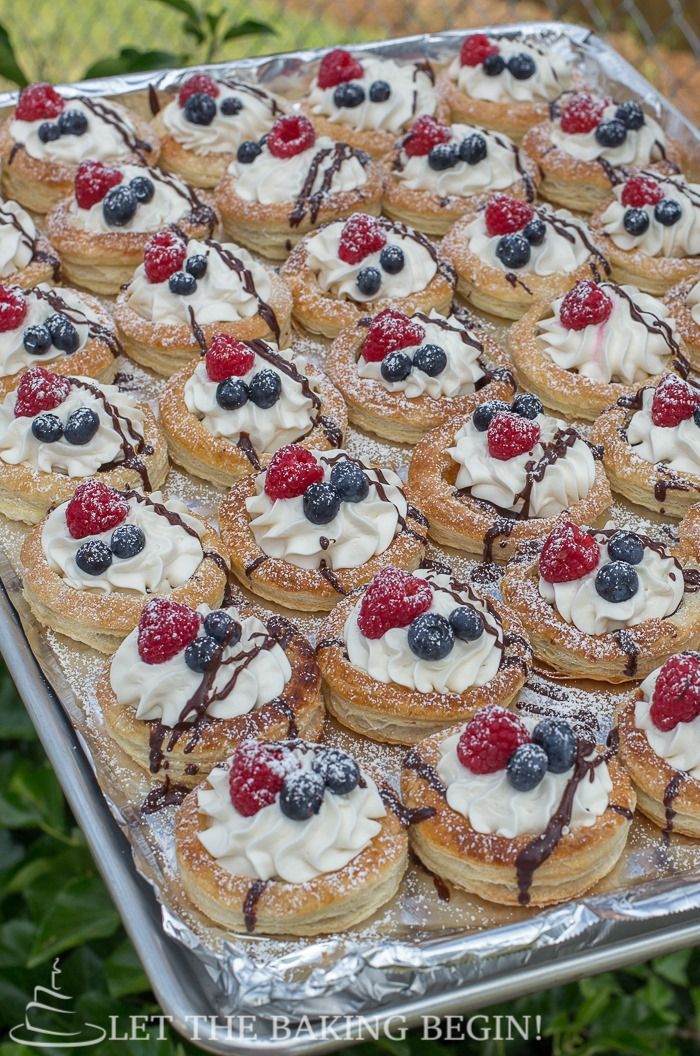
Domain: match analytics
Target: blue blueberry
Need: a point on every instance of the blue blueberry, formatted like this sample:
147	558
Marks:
81	426
142	188
617	582
667	212
196	265
473	149
302	795
369	280
431	359
527	405
611	133
64	335
558	741
535	231
526	767
48	132
47	428
37	340
231	393
493	65
320	503
635	221
486	412
430	636
265	389
696	415
626	546
396	366
522	66
248	151
221	626
119	205
127	540
513	251
182	283
349	95
93	557
392	259
379	91
631	114
200	109
349	481
200	653
443	156
339	770
467	623
231	106
72	123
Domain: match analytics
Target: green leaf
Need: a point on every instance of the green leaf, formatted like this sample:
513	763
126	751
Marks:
10	69
124	972
183	6
193	29
32	797
80	911
131	60
248	27
674	967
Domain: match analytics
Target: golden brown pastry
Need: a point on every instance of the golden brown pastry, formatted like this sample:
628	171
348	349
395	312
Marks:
683	302
26	258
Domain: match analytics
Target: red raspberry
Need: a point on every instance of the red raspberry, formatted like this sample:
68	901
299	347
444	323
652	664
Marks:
641	190
290	135
392	599
291	470
13	308
198	82
424	134
389	332
39	102
361	235
163	254
256	776
95	508
475	48
228	358
40	390
510	435
93	180
338	66
677	692
582	113
674	401
489	739
586	304
504	215
165	628
569	552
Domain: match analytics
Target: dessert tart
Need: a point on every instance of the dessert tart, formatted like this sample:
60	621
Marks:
600	341
71	331
684	304
605	604
503	475
57	430
289	838
403	375
91	565
417	653
517	811
187	291
188	685
650	231
368	100
436	173
26	258
651	445
315	525
508	254
658	730
101	229
278	190
225	414
588	145
47	137
204	124
506	81
347	268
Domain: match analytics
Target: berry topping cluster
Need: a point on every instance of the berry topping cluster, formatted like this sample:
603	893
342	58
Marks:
570	553
361	236
70	123
226	361
495	739
197	97
339	70
94	509
13	308
57	331
586	304
510	429
95	182
643	198
676	696
40	390
39	102
478	50
290	135
165	259
518	226
674	401
391	332
261	774
167	627
294	472
583	113
428	138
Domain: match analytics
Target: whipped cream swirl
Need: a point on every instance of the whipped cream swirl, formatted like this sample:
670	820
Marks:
18	236
552	74
567	244
675	446
633	344
490	804
389	658
19	446
693	303
534	484
289	419
226	132
660	593
640	146
110	135
500	168
681	239
413	92
358	532
172	200
251	673
270	846
43	301
323	169
679	747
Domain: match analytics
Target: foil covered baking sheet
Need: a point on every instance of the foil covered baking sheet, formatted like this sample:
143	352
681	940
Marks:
423	942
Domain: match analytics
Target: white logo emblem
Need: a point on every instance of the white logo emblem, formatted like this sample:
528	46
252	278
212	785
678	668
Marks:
49	1006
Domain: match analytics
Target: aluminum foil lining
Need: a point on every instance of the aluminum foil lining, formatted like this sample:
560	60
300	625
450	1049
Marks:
419	944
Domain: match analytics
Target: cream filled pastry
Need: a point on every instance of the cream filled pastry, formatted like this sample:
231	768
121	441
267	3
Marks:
25	257
664	428
617	138
511	69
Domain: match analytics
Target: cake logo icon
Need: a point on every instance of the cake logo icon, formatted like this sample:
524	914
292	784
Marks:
47	1013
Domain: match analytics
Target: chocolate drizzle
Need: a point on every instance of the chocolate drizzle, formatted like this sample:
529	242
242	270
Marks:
407	817
168	794
670	794
312	201
654	325
245	276
255	564
251	902
106	113
428	773
96	331
131	442
31	242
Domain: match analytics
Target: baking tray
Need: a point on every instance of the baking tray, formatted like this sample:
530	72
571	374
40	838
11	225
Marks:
437	975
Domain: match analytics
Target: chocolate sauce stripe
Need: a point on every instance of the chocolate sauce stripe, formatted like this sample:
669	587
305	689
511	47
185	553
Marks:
132	446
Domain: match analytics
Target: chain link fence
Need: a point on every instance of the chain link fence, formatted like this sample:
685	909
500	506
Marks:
59	39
